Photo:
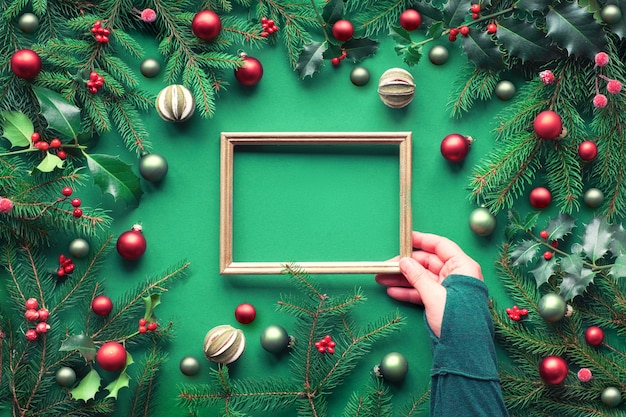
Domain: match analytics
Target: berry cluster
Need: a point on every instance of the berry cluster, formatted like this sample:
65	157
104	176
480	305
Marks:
465	30
515	313
101	34
78	212
55	143
95	82
269	27
66	266
325	344
337	60
475	10
34	314
547	255
612	86
146	326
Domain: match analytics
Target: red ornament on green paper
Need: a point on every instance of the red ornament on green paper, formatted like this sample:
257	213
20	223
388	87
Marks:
553	370
206	25
26	64
540	197
594	336
455	147
251	72
343	30
102	305
410	19
111	356
132	244
548	125
245	313
587	150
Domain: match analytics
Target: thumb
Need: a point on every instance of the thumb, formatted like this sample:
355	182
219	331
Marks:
419	278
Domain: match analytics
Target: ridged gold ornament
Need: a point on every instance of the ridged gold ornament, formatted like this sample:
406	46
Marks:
224	344
175	103
396	88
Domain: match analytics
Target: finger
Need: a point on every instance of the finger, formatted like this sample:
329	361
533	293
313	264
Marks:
392	280
428	289
443	247
409	295
429	261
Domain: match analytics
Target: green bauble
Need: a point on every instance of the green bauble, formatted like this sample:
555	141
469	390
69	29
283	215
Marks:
593	197
153	167
65	376
393	367
359	76
482	222
150	67
28	22
611	397
189	366
275	339
79	248
438	55
611	14
552	307
505	90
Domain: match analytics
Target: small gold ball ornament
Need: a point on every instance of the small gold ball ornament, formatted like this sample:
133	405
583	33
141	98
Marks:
224	344
175	103
396	88
28	22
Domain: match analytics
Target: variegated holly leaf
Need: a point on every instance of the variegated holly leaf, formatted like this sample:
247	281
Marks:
88	387
576	277
618	269
49	163
122	381
482	50
523	39
524	252
617	245
410	53
17	128
596	238
82	343
575	29
544	270
560	226
150	302
115	177
311	59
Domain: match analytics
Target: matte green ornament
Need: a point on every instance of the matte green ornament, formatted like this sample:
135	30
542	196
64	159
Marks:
28	22
611	397
393	367
552	307
438	54
79	248
189	366
482	222
505	90
150	67
359	76
593	197
153	167
611	14
65	376
275	339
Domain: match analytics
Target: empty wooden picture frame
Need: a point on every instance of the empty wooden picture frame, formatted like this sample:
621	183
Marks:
230	140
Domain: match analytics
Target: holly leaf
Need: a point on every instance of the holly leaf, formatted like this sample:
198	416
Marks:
358	49
577	276
88	387
596	238
543	270
49	163
17	128
575	29
333	11
61	115
525	40
617	245
560	226
115	177
482	50
431	16
311	59
150	302
618	270
524	252
122	381
82	343
531	6
455	12
404	47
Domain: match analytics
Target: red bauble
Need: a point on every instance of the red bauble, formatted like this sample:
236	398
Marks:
548	125
102	305
111	356
594	336
131	244
343	30
587	150
251	72
410	19
245	313
540	197
553	370
455	147
26	64
206	25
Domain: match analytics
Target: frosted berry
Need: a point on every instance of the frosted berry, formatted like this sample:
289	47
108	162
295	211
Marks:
31	315
42	327
614	86
32	303
31	335
67	191
601	59
600	101
148	15
6	205
547	77
543	234
44	314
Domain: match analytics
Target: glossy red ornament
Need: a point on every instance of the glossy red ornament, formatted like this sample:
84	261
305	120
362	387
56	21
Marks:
102	305
594	336
587	150
132	244
410	19
26	64
111	356
548	125
251	72
540	197
455	147
206	25
553	370
343	30
245	313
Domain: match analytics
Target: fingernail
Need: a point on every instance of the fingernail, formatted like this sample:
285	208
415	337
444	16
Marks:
406	264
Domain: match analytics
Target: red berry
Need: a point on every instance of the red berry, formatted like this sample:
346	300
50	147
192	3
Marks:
31	335
60	272
55	143
555	244
475	8
264	34
547	255
523	311
77	212
76	202
152	326
475	16
34	137
68	269
44	146
97	23
335	61
42	327
454	31
330	350
264	19
142	321
62	154
32	303
143	329
543	234
492	28
67	191
464	30
31	315
44	314
451	37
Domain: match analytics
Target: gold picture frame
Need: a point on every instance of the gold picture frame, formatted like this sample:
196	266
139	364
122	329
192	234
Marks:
230	140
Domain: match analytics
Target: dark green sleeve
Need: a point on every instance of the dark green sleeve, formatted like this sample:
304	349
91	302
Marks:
465	381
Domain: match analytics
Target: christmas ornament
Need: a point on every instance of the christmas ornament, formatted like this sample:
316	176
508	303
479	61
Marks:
28	22
552	307
153	167
548	125
505	90
206	25
553	370
410	19
455	147
584	375
245	313
275	339
65	376
482	222
396	88
343	30
26	64
224	344
594	336
251	72
393	367
359	76
611	397
150	67
189	366
587	150
102	305
593	197
540	197
132	244
79	248
175	103
438	55
111	356
611	14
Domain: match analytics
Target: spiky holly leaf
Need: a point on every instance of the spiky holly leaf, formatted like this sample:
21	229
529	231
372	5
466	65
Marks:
122	381
61	115
17	128
596	238
359	49
82	343
311	59
560	226
410	53
576	277
575	29
49	163
150	302
523	39
617	245
333	11
531	6
88	387
524	252
455	12
431	16
544	270
618	270
115	177
482	50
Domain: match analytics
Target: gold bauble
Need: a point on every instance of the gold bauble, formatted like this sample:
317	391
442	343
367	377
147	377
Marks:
396	88
175	103
224	344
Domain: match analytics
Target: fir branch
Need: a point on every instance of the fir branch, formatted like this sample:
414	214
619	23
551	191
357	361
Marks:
472	83
377	16
146	384
564	176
